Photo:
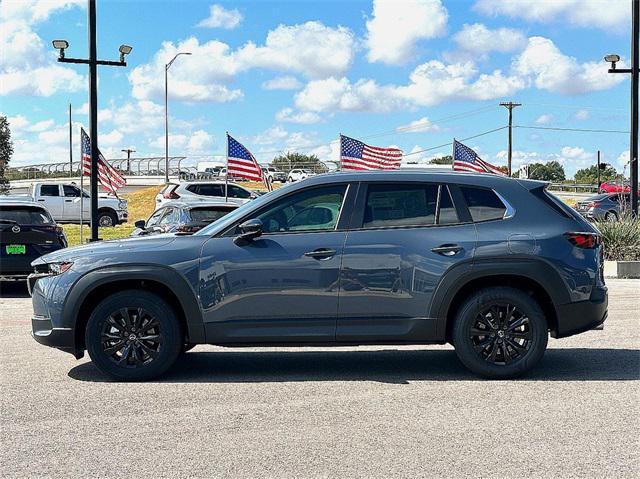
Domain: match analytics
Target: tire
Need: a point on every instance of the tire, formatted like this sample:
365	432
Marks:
122	357
107	219
611	216
485	354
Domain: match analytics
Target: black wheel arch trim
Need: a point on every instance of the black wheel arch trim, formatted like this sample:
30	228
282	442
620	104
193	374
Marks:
164	275
459	276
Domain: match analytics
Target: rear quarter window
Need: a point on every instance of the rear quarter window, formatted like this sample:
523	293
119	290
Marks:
483	204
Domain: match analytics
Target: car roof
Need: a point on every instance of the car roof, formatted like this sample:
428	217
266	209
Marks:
197	204
408	174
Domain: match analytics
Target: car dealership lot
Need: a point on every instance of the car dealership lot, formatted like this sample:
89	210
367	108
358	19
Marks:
362	411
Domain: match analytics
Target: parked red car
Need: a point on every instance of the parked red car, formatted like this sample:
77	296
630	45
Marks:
616	187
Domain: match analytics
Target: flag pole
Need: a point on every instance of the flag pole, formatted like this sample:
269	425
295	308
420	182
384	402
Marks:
81	194
226	177
453	152
340	159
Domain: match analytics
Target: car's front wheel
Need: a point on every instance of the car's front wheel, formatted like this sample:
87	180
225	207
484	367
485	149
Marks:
133	335
500	333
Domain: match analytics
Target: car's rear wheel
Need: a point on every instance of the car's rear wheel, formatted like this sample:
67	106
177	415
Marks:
133	335
500	332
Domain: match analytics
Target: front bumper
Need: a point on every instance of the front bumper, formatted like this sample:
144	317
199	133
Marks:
60	338
123	216
581	316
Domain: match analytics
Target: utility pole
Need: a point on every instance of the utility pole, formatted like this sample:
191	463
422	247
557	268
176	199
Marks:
128	151
635	73
93	63
510	106
166	114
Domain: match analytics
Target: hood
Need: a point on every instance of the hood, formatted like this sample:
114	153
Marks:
101	248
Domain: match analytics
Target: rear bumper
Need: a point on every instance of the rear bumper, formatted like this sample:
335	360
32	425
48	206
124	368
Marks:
60	338
575	318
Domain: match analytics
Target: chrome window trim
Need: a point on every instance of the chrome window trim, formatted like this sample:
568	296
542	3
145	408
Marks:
510	211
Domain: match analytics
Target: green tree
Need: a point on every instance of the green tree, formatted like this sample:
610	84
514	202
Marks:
551	171
291	160
590	175
443	160
6	150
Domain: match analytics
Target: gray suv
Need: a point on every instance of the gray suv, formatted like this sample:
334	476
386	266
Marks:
489	264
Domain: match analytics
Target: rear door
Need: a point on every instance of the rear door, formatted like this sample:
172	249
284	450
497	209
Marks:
51	196
403	238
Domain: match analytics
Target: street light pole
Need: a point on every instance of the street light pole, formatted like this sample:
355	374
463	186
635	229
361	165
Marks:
635	73
166	114
93	63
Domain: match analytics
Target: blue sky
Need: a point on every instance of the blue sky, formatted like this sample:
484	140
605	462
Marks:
285	76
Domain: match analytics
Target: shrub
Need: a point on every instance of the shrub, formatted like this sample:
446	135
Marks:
621	238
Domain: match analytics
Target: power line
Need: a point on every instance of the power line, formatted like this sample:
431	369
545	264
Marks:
451	142
554	128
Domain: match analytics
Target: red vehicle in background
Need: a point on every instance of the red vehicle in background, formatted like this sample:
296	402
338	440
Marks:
616	187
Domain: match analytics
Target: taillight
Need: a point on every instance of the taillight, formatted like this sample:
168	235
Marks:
170	194
584	240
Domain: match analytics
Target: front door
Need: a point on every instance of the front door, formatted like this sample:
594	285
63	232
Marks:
282	286
405	237
72	202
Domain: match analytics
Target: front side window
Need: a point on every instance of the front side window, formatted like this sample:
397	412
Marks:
49	190
70	191
390	205
483	203
170	217
155	217
317	209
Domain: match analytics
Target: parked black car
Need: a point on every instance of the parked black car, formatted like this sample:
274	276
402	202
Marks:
27	231
488	263
180	217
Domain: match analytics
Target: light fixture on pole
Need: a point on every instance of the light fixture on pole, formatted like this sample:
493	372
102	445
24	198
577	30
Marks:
635	78
93	62
166	114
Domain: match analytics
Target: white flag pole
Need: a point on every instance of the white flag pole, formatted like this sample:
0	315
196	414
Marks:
226	177
453	152
340	159
81	193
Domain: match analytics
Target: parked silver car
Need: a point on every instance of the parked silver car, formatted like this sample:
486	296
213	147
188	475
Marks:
190	191
605	206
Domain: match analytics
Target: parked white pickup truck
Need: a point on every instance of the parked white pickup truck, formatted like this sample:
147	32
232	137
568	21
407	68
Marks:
63	202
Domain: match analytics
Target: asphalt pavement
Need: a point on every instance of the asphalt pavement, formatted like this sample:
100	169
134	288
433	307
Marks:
320	412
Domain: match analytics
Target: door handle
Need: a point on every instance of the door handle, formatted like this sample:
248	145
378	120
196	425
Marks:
321	253
41	200
447	249
68	201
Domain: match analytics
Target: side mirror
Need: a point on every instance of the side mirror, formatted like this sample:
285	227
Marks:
249	230
140	224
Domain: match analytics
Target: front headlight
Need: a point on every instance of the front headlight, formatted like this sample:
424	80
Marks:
59	268
122	204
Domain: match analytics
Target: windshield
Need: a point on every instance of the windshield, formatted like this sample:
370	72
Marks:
25	215
241	211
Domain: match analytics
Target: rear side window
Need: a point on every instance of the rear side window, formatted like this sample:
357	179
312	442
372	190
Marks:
400	205
49	190
483	204
207	190
448	214
207	215
25	215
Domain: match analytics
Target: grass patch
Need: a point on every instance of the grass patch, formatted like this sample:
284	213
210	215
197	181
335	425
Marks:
142	203
73	232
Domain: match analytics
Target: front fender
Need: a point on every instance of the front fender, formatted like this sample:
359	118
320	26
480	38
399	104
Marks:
164	275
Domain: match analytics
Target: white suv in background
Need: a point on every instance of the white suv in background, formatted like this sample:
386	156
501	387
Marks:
191	191
299	174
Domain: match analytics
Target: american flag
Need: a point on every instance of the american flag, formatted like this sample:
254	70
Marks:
108	176
465	159
242	164
355	155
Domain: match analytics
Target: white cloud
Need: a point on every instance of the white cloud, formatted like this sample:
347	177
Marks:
282	83
20	125
397	26
311	49
220	17
197	143
581	115
606	14
418	126
479	40
544	65
544	119
289	115
113	138
623	161
27	67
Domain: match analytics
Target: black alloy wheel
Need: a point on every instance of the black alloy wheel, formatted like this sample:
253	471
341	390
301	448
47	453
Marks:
500	332
133	335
